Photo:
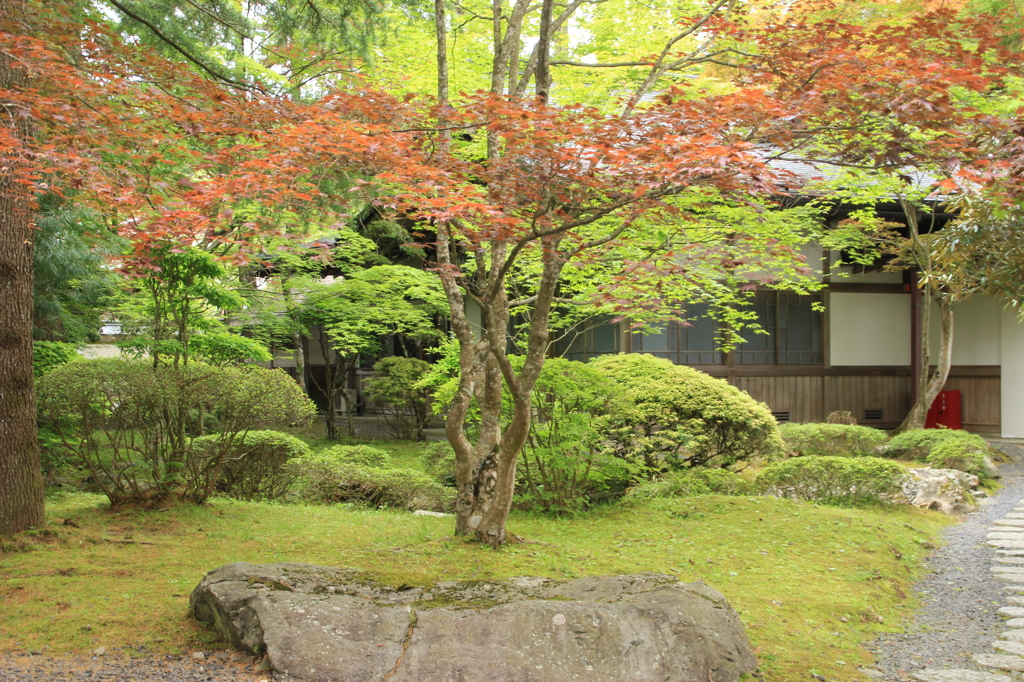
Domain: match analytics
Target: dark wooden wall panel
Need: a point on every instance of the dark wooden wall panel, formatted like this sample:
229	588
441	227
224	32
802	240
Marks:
800	396
979	399
813	398
810	394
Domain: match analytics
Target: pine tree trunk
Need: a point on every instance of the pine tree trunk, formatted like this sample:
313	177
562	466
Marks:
21	479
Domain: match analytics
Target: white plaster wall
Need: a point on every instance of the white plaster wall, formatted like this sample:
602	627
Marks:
475	317
99	350
976	329
1011	384
869	329
815	256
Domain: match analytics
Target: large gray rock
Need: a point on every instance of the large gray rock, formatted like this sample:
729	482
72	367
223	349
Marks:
324	624
944	490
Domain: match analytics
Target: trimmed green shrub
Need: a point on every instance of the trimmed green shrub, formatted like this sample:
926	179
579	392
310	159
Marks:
363	455
917	444
253	464
566	463
47	355
962	454
439	461
840	481
692	483
831	439
674	415
127	423
323	479
404	401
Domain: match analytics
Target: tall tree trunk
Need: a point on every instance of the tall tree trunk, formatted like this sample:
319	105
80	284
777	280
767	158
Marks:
300	361
297	337
542	76
21	479
932	382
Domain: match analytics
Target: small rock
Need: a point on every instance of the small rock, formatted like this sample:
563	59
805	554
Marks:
1000	661
873	672
944	490
425	512
264	664
100	651
198	656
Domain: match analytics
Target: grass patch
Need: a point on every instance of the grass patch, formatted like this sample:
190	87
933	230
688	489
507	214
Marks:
811	583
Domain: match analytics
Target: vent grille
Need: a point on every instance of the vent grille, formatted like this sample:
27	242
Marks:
781	416
872	415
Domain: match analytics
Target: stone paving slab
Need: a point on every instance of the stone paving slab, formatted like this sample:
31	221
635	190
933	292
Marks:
1006	544
1012	611
1013	636
1009	522
1009	560
1006	568
1015	623
1000	661
1008	647
928	675
1008	577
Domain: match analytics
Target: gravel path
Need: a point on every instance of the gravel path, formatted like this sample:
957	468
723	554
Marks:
961	598
217	667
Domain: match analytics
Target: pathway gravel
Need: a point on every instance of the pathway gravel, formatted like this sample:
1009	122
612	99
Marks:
970	599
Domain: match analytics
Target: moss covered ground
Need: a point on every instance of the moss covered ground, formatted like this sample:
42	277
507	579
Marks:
812	584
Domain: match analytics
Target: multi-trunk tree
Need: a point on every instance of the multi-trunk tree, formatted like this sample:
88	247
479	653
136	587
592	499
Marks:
515	189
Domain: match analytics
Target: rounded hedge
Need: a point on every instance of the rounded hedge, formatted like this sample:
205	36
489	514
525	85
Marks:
326	480
840	481
918	444
253	463
364	455
831	439
693	483
683	417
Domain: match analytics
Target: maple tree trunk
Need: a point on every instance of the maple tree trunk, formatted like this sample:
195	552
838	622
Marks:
932	383
300	362
485	471
21	479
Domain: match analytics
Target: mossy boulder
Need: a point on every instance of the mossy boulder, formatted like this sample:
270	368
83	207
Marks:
320	623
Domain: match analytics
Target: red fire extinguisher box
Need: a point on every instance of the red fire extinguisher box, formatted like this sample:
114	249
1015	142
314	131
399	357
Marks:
945	411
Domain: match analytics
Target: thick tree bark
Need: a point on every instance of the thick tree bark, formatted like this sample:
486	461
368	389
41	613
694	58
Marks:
21	479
